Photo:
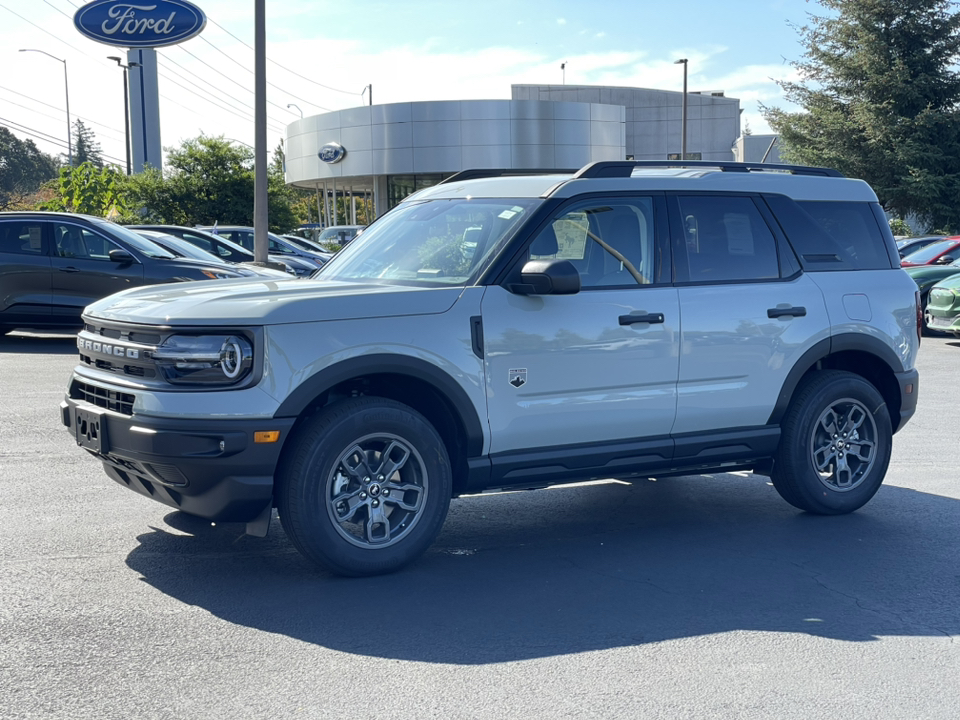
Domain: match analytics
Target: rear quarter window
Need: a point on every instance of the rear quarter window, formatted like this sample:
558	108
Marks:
832	235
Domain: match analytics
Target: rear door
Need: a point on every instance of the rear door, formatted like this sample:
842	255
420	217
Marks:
83	271
24	272
748	312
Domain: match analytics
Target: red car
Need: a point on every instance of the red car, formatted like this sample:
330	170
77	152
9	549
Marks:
942	252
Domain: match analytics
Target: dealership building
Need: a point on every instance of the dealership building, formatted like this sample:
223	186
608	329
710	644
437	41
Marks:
379	154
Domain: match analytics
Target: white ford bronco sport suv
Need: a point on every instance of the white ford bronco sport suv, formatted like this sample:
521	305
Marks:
630	320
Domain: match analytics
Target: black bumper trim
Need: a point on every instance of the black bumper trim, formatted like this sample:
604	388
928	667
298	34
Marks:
210	468
908	401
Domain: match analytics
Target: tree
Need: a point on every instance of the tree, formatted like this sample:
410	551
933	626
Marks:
91	190
23	169
210	180
879	94
85	146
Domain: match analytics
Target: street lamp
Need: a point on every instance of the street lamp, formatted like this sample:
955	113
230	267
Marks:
290	105
364	92
66	89
683	116
563	71
126	104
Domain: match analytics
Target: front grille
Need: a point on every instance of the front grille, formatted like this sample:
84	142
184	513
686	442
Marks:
167	474
119	402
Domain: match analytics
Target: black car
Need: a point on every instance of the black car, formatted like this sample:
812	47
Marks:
52	265
184	249
227	249
276	244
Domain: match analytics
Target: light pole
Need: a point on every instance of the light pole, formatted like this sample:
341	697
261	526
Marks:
370	89
683	115
563	71
126	104
66	88
290	105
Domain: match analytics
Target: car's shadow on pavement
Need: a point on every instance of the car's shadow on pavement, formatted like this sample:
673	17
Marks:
60	342
569	570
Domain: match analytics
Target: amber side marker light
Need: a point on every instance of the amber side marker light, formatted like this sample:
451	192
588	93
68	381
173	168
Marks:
269	436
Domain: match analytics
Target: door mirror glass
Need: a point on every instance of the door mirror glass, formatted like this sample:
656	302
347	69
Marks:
547	277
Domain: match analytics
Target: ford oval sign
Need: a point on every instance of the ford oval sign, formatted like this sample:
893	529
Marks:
332	153
140	24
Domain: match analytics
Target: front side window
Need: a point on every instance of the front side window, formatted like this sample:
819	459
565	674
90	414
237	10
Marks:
73	241
727	240
610	242
21	238
432	243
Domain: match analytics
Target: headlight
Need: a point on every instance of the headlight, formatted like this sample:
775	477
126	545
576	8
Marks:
204	359
220	274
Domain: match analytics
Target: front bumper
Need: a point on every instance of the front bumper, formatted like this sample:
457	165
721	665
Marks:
211	468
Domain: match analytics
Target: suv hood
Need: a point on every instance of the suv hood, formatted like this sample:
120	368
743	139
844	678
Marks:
268	302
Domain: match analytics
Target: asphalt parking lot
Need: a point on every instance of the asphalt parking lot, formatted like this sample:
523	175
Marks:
698	597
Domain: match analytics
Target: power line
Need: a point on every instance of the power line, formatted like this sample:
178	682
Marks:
282	67
58	39
277	87
48	138
52	117
216	102
59	109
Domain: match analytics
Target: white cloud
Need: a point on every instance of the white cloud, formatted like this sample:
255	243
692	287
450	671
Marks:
561	21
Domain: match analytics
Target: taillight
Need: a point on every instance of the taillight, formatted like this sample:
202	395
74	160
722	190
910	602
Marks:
919	317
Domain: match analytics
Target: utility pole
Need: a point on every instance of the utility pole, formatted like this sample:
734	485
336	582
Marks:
683	115
260	217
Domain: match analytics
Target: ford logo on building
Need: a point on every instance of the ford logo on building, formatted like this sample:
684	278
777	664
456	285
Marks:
332	153
140	24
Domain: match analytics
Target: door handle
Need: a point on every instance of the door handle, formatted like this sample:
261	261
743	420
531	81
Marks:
69	269
652	318
779	312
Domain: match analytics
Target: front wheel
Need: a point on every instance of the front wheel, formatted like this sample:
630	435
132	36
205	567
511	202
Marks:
835	444
364	487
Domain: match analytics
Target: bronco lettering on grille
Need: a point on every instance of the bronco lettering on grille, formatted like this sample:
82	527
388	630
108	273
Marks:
108	349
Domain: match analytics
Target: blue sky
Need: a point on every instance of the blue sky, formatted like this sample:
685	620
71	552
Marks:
413	50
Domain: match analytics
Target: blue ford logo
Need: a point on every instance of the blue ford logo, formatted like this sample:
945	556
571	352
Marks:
332	153
140	24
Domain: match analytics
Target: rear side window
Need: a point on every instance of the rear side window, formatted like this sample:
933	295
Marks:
727	240
832	235
21	238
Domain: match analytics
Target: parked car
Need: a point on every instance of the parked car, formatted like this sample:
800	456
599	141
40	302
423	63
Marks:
907	246
52	265
227	250
182	248
309	245
276	245
942	252
942	313
926	276
340	234
519	332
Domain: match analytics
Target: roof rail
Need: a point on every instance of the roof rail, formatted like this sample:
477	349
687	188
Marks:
500	172
624	168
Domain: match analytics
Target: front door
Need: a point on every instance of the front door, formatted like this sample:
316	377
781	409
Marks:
24	273
599	367
83	271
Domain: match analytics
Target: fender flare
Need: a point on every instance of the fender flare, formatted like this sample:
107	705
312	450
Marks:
829	346
311	388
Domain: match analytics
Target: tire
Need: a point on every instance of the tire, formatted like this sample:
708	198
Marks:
831	403
342	509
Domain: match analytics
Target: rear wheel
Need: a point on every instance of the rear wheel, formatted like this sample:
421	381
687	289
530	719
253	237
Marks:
364	487
835	444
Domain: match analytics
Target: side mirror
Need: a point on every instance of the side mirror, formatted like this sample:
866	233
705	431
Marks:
547	277
945	260
121	256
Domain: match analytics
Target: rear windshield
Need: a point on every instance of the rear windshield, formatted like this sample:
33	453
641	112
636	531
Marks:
832	235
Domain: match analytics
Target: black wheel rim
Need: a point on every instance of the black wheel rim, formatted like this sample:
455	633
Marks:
843	445
377	490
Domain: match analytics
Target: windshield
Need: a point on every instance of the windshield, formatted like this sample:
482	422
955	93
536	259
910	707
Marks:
303	244
431	243
187	249
140	243
925	255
